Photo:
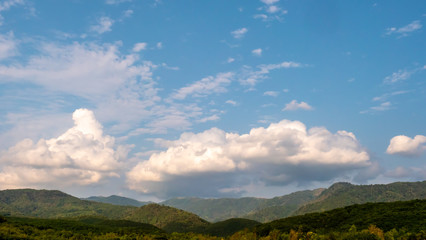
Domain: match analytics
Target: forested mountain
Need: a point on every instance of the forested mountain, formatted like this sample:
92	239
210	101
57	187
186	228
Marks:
297	203
407	215
117	200
248	207
167	218
56	204
345	194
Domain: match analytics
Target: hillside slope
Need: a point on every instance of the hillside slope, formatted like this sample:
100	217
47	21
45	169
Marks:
116	200
56	204
248	207
410	215
167	218
345	194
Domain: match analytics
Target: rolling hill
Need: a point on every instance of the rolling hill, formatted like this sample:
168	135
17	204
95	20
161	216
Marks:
55	204
345	194
117	200
410	215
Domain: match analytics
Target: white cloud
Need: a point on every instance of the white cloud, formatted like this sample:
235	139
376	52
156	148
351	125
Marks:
397	76
230	60
405	30
250	77
257	52
213	117
111	2
139	46
294	105
282	153
104	25
387	95
8	46
232	102
82	155
382	107
90	71
269	2
272	9
159	45
239	33
406	146
205	86
271	93
128	13
7	4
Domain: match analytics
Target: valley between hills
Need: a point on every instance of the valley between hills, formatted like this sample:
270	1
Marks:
343	209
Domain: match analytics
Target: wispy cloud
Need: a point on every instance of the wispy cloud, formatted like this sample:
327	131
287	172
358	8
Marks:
294	105
397	76
231	102
270	11
139	46
257	52
8	46
205	86
271	93
103	25
250	77
7	4
385	106
239	33
405	30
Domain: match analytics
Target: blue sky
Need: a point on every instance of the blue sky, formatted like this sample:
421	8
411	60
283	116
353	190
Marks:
156	99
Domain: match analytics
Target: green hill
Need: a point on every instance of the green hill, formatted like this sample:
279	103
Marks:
345	194
408	215
258	209
229	227
167	218
55	204
117	200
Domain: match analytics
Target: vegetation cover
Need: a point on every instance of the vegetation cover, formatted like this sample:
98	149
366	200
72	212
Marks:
395	220
117	200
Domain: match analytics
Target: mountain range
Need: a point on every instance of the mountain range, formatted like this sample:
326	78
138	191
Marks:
264	210
195	214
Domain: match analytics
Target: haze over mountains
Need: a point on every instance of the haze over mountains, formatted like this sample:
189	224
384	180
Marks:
297	203
229	215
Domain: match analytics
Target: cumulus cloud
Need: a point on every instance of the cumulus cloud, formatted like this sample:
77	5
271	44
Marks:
7	46
406	146
103	25
205	86
139	46
239	33
232	102
282	153
294	105
82	155
405	30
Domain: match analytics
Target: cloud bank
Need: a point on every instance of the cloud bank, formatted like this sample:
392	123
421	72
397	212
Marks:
82	155
283	153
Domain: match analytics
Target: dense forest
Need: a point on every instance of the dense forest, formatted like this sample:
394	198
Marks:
396	220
